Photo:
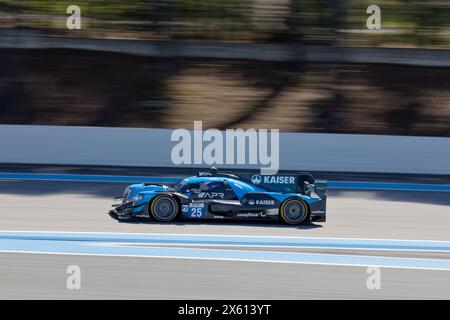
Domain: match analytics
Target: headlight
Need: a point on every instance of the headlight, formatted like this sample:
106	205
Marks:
137	198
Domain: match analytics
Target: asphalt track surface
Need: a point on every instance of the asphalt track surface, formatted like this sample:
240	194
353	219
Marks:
82	207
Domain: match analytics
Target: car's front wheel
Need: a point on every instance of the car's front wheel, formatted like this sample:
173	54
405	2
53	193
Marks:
164	208
293	211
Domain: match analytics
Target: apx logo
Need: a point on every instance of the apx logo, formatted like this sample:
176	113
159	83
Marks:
256	179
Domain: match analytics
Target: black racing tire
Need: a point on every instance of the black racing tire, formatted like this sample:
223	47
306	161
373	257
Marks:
294	211
164	208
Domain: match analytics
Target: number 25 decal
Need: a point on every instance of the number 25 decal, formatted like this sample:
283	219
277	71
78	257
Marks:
196	212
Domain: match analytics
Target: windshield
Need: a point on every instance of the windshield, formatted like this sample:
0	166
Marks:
184	187
177	187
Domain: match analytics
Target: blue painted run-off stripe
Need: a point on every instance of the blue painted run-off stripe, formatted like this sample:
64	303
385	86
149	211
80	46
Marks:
387	186
360	185
231	240
155	245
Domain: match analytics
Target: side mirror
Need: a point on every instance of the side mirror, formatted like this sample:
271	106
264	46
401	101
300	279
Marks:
309	188
196	191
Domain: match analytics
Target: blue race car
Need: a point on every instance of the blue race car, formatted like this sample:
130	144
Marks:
293	199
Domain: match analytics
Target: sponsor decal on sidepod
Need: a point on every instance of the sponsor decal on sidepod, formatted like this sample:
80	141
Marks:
257	179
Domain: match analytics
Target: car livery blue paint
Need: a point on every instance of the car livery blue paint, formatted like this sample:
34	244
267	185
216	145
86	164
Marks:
293	199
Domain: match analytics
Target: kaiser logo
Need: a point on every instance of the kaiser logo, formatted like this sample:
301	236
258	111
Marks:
256	179
279	179
252	202
265	202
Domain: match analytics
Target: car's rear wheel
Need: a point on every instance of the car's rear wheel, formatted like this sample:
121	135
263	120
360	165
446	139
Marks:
164	208
293	211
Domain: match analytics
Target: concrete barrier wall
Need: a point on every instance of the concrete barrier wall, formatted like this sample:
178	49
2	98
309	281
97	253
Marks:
152	147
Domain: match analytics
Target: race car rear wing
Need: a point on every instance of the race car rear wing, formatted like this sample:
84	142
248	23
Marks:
320	188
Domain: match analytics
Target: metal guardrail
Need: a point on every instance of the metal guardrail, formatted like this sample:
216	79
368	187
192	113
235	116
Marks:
28	39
